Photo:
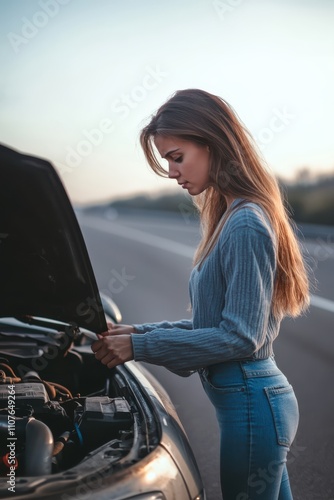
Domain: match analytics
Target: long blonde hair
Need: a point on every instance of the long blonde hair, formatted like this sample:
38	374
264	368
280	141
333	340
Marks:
236	170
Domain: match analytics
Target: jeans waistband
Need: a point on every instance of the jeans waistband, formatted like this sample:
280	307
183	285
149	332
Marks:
248	368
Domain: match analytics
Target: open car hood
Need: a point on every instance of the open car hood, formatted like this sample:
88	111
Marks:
45	269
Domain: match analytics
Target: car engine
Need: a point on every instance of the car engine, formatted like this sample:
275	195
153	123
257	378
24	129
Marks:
51	427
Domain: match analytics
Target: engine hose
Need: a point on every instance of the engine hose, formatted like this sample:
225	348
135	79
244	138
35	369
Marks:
9	368
61	388
4	379
60	443
39	448
49	389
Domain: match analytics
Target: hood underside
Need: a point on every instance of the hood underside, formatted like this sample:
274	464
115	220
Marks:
45	269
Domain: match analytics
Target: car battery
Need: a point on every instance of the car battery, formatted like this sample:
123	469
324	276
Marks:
103	418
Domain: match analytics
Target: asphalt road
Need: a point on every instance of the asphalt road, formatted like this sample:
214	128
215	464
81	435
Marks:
144	262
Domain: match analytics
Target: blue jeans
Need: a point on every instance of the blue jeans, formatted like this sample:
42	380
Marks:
258	416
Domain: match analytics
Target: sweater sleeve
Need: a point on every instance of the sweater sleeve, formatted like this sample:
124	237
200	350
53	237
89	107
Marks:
183	324
248	263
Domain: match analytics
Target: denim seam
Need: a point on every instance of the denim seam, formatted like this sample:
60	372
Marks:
280	389
250	426
225	389
277	390
261	373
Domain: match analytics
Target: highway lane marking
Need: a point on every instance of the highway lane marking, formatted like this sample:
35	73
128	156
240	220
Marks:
140	236
322	303
170	246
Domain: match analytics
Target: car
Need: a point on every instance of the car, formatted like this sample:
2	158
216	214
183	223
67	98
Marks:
70	428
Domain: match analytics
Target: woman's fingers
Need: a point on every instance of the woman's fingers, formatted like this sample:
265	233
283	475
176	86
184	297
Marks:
117	330
113	350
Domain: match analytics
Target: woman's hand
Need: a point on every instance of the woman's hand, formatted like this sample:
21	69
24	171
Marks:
114	329
113	350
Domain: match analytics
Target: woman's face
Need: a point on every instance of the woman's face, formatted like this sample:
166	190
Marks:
188	162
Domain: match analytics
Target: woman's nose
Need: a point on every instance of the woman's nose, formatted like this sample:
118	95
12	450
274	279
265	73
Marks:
173	173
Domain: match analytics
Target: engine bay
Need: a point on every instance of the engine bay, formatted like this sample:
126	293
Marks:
58	405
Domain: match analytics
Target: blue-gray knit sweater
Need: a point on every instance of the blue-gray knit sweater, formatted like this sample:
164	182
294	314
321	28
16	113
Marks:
231	298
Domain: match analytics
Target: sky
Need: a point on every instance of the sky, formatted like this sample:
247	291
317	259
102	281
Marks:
80	78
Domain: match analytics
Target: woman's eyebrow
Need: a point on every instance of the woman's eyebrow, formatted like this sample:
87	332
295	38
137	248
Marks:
170	152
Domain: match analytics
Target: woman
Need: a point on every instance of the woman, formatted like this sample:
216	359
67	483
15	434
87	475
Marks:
248	274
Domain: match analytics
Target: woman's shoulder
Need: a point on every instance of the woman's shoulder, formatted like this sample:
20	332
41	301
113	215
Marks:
247	216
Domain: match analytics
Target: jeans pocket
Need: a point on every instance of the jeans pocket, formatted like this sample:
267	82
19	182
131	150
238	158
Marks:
217	382
284	408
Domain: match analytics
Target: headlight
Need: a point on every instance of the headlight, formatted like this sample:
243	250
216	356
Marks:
201	496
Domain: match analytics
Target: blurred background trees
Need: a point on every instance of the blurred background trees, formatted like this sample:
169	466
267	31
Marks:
309	198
